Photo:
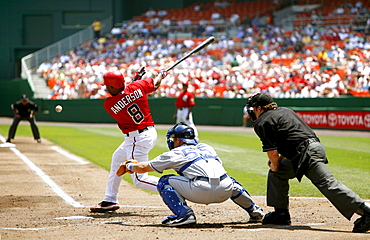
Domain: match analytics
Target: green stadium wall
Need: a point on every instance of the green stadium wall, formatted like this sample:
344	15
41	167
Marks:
208	111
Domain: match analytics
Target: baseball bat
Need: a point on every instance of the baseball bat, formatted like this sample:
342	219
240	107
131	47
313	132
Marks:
204	44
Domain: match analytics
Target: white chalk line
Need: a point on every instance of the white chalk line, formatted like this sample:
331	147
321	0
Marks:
222	149
68	155
47	179
55	227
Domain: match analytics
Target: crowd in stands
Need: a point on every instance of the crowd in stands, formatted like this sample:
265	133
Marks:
336	12
306	62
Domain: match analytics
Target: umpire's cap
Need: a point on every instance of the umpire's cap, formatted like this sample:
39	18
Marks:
259	99
114	79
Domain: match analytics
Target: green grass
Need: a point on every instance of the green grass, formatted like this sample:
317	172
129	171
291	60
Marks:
349	157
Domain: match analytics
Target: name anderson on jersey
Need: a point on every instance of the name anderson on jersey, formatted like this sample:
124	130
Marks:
129	98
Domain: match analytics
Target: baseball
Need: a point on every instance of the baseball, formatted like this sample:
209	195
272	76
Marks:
58	108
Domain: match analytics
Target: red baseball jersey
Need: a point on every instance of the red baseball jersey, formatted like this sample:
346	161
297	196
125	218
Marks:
130	108
185	99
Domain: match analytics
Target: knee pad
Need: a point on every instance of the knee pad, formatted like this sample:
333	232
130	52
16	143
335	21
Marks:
171	198
163	181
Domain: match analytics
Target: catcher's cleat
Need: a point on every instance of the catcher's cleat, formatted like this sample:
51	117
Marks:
257	215
105	207
178	221
281	218
256	219
362	224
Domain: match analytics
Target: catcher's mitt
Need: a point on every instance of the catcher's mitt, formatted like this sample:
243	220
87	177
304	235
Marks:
123	169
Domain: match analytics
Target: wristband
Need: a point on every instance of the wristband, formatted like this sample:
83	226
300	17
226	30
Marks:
129	166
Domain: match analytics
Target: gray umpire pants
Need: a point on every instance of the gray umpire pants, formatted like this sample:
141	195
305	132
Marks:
343	198
16	120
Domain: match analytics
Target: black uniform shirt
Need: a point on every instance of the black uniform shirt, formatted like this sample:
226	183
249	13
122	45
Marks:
282	129
24	110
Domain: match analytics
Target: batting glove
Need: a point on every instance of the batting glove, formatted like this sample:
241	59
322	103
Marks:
163	73
139	74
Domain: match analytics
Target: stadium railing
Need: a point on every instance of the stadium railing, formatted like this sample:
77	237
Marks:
32	61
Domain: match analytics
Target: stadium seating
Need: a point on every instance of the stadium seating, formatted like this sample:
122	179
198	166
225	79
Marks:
279	69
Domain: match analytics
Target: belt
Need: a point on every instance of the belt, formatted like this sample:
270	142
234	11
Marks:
137	132
201	178
182	108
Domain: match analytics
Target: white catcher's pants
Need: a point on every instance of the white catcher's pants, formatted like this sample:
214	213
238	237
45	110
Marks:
135	147
181	117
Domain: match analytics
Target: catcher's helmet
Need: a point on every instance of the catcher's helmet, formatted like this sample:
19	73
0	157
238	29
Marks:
114	79
182	131
259	99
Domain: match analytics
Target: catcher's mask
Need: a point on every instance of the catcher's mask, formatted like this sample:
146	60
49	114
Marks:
182	131
114	79
259	99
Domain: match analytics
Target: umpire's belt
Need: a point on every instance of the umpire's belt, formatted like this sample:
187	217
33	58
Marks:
207	178
137	132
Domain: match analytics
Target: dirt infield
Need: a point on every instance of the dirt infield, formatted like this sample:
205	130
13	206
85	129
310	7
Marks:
46	192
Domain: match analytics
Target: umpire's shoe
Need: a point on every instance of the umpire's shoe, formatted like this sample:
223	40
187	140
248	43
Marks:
277	218
362	225
105	207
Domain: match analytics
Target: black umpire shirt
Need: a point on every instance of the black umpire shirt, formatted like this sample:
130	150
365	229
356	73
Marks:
283	130
24	110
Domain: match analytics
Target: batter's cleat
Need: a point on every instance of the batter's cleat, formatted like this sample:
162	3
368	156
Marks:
105	207
362	224
281	218
179	221
8	140
39	140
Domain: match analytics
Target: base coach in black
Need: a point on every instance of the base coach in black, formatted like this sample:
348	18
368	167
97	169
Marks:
24	110
294	150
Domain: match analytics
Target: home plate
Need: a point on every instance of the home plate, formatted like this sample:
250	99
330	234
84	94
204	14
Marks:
74	217
9	145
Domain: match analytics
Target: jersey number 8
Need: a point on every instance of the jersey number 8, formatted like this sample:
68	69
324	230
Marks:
135	113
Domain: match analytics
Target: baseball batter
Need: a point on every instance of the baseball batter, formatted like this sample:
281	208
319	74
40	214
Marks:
130	108
294	150
202	178
184	107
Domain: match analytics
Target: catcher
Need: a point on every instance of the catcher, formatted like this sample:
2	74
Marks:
202	178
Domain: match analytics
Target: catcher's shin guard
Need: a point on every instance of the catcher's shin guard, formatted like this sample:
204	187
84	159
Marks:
242	198
170	197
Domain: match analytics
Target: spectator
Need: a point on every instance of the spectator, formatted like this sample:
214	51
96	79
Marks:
116	31
162	13
96	27
210	29
235	19
150	13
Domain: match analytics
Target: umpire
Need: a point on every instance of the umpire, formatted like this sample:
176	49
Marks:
24	110
294	150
